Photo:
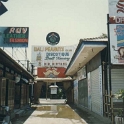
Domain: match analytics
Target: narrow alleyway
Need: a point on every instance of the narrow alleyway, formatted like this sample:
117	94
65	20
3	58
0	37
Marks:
54	114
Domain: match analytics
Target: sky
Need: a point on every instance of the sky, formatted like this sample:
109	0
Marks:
71	19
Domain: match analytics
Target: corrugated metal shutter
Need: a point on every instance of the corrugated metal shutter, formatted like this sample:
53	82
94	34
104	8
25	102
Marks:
96	91
83	93
117	80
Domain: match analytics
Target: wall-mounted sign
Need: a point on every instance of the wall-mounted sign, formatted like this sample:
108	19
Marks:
53	38
14	36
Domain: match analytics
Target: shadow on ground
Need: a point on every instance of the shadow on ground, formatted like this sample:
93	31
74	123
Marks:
21	119
90	117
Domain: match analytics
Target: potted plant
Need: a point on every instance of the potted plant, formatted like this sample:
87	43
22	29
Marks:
119	119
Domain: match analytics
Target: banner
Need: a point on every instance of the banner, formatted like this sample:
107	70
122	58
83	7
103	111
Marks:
14	36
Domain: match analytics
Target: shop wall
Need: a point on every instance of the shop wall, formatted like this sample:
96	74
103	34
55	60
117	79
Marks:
94	63
68	86
2	91
37	90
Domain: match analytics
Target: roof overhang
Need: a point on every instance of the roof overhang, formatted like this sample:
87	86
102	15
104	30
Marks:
53	79
85	51
6	60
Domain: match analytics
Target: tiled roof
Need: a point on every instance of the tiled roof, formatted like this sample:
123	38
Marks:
95	39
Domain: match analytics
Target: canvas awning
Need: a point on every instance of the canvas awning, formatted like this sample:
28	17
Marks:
53	79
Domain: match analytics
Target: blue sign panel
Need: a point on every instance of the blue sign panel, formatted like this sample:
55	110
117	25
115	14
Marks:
3	9
14	36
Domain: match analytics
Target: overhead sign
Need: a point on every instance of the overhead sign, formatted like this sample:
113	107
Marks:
45	56
45	72
116	11
14	36
53	38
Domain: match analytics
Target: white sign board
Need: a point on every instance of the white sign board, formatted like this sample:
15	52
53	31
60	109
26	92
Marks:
53	90
53	56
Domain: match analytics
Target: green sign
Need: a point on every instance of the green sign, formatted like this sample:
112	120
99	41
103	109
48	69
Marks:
53	38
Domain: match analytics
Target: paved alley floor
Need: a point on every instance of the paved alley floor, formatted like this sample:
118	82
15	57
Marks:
56	114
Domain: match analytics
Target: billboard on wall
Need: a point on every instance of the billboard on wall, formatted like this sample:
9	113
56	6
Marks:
51	56
117	43
14	36
116	24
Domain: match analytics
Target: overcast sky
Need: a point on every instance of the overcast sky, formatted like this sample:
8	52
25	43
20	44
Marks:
71	19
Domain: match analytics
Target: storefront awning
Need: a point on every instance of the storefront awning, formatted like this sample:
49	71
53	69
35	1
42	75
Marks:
53	79
85	51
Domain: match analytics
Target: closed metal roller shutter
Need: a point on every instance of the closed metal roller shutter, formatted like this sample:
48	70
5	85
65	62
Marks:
96	91
83	93
117	80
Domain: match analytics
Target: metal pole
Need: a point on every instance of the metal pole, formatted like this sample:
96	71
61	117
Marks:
12	52
109	67
46	90
109	55
32	90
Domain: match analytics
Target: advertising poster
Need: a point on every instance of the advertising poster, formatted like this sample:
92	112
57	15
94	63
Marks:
116	26
14	36
117	43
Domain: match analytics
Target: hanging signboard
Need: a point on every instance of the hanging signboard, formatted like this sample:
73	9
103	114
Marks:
14	36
